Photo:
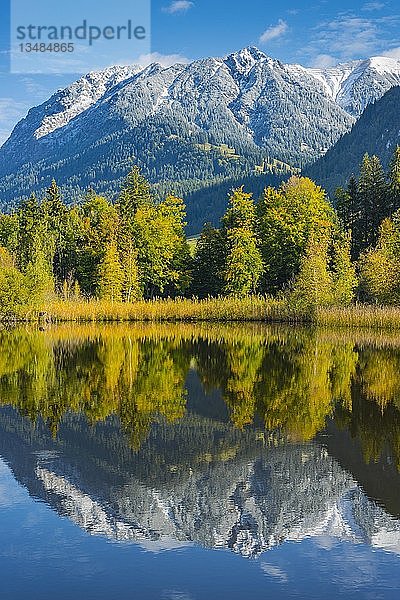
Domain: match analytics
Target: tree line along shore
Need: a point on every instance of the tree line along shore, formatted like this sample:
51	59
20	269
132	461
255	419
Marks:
291	255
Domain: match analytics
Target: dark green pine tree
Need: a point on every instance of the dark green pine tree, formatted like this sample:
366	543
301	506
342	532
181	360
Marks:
352	194
135	193
55	213
30	221
345	199
372	203
342	205
209	263
394	180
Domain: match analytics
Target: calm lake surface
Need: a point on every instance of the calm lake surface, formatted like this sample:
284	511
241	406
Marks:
199	463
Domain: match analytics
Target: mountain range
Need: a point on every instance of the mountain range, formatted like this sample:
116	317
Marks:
194	129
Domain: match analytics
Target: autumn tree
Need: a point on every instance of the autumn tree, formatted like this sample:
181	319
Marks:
98	228
9	232
314	284
288	219
380	266
135	195
13	286
110	275
39	273
344	279
243	262
163	252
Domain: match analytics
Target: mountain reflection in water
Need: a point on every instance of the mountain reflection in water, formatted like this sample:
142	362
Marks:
226	437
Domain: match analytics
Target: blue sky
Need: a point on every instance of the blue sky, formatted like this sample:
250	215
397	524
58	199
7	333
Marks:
320	33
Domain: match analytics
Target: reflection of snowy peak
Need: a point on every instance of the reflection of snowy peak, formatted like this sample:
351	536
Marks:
290	493
197	482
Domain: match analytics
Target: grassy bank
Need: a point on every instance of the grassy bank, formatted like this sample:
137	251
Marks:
360	315
252	309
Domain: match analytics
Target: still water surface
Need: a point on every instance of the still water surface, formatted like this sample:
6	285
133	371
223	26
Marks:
193	463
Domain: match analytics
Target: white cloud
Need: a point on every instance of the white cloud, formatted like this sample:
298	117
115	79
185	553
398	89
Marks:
350	36
371	6
393	53
274	32
324	61
165	60
178	6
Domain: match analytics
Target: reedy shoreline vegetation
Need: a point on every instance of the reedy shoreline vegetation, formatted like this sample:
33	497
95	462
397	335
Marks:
288	257
252	309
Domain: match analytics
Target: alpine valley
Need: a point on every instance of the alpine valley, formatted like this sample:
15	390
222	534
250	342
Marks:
194	129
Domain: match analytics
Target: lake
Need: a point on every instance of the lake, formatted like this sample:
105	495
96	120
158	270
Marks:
194	462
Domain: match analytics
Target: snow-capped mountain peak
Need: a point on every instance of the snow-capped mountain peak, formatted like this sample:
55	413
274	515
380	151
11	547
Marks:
351	85
244	60
385	65
355	84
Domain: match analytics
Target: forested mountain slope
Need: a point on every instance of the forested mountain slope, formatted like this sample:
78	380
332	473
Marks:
376	132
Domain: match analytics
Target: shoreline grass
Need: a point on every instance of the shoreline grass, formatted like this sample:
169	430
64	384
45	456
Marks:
256	309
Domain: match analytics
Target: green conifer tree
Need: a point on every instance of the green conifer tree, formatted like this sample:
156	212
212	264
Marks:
135	194
29	222
55	215
394	180
346	204
373	203
208	265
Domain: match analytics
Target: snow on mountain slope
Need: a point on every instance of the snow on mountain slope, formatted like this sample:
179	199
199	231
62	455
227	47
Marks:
244	98
79	96
355	84
351	85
